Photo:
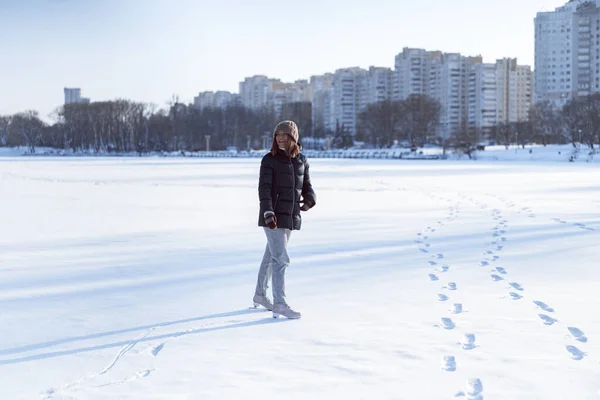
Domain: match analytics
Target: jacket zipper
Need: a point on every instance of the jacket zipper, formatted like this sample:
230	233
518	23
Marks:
293	193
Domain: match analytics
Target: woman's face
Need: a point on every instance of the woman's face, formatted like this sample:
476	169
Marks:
282	140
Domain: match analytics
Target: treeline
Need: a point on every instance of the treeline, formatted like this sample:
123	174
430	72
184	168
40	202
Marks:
128	126
416	121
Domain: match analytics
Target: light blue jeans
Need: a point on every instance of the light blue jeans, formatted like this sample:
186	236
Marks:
274	262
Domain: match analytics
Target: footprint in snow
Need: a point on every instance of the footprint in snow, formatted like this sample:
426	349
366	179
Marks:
457	308
515	296
496	278
442	297
501	270
474	388
155	350
424	250
447	323
577	334
140	374
468	341
449	363
547	320
516	286
575	353
499	248
439	256
543	306
473	392
443	268
484	263
433	277
432	263
451	286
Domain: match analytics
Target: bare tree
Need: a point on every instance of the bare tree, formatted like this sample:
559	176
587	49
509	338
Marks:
545	122
5	121
420	119
29	126
379	122
465	140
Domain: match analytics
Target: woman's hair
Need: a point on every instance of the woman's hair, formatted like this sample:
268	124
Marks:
293	148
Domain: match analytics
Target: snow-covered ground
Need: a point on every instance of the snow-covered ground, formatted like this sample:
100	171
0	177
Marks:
533	152
132	278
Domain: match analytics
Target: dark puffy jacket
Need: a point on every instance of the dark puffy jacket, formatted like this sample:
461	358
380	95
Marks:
282	184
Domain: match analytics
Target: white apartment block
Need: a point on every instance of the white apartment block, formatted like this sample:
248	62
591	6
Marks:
340	97
204	100
344	100
514	91
483	97
223	99
73	95
254	91
451	90
378	86
441	76
320	86
220	99
567	52
471	93
499	93
280	93
260	91
416	71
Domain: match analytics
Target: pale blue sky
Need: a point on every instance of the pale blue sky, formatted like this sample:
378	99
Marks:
148	50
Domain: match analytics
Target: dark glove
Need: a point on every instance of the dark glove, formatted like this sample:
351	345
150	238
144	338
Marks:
306	205
271	220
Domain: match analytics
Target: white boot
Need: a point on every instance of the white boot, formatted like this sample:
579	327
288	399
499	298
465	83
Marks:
263	301
286	311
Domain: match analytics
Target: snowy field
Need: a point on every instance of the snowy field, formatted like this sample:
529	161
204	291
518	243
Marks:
132	278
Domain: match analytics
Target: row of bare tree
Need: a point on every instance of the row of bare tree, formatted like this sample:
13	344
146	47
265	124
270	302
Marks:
127	126
416	121
413	120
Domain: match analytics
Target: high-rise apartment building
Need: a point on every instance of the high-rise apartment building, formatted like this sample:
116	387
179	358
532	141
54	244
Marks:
567	52
254	91
73	95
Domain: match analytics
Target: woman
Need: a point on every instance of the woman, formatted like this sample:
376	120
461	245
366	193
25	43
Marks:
284	189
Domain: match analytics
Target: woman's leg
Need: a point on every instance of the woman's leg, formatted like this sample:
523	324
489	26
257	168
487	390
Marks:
277	240
264	273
